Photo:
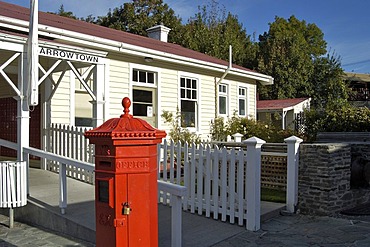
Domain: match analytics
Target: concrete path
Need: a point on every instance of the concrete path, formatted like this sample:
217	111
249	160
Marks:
282	231
301	231
295	230
23	235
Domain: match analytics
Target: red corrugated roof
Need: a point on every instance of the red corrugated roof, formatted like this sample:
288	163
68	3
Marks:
278	104
18	12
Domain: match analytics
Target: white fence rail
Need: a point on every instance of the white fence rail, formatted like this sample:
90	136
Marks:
225	182
217	179
69	141
175	191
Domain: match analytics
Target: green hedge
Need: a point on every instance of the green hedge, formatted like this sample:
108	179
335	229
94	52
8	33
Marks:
341	119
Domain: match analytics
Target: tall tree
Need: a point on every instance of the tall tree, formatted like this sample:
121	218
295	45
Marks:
211	31
330	89
287	52
139	15
64	13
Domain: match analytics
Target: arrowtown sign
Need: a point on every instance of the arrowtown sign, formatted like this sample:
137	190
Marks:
69	55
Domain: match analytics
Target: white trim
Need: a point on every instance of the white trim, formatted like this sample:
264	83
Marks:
157	72
72	98
11	46
228	99
243	86
14	57
106	95
196	77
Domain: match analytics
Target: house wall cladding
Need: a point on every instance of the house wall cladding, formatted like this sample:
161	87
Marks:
324	178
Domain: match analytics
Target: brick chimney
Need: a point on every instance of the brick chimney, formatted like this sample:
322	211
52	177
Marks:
159	32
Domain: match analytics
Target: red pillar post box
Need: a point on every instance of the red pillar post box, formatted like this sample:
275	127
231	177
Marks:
126	181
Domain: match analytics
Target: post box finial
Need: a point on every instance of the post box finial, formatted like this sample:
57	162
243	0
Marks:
126	103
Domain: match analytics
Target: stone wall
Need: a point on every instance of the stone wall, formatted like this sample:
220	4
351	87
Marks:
324	178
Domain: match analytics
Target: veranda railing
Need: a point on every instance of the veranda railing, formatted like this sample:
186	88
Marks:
69	141
175	191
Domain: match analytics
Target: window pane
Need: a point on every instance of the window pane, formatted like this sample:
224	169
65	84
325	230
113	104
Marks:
142	76
182	93
151	77
188	83
142	96
182	82
140	110
194	96
241	107
194	86
222	105
188	94
187	113
134	75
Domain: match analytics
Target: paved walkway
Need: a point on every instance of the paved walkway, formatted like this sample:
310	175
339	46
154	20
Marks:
296	230
23	235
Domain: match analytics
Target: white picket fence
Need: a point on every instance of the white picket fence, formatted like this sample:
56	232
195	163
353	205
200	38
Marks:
216	179
225	183
69	141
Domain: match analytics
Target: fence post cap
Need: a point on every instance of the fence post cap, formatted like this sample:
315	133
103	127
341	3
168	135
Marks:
254	140
238	135
293	139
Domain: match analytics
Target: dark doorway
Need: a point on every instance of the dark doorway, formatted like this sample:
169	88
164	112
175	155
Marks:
8	125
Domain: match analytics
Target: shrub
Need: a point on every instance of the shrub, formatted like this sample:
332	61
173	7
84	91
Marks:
177	133
248	128
343	119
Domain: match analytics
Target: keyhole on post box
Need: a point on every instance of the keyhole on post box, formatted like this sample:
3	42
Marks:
126	208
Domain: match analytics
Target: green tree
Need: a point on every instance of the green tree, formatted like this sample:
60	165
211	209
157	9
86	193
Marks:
211	31
287	52
330	89
139	15
64	13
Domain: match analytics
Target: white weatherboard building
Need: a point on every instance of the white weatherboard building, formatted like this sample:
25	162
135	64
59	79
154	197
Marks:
85	70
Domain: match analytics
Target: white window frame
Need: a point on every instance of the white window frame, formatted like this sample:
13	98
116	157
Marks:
197	100
157	85
243	97
224	94
146	69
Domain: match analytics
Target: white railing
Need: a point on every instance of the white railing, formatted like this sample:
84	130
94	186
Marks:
224	181
69	141
62	162
175	191
218	180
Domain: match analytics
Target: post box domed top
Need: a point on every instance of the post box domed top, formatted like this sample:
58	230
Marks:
126	127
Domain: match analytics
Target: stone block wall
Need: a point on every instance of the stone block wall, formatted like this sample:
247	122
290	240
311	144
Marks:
324	179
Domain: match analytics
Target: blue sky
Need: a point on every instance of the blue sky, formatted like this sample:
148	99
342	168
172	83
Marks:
345	24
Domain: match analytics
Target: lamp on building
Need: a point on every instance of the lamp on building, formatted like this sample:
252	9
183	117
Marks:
148	59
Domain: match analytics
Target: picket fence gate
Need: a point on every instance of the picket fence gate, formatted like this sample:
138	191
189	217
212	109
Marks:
216	179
